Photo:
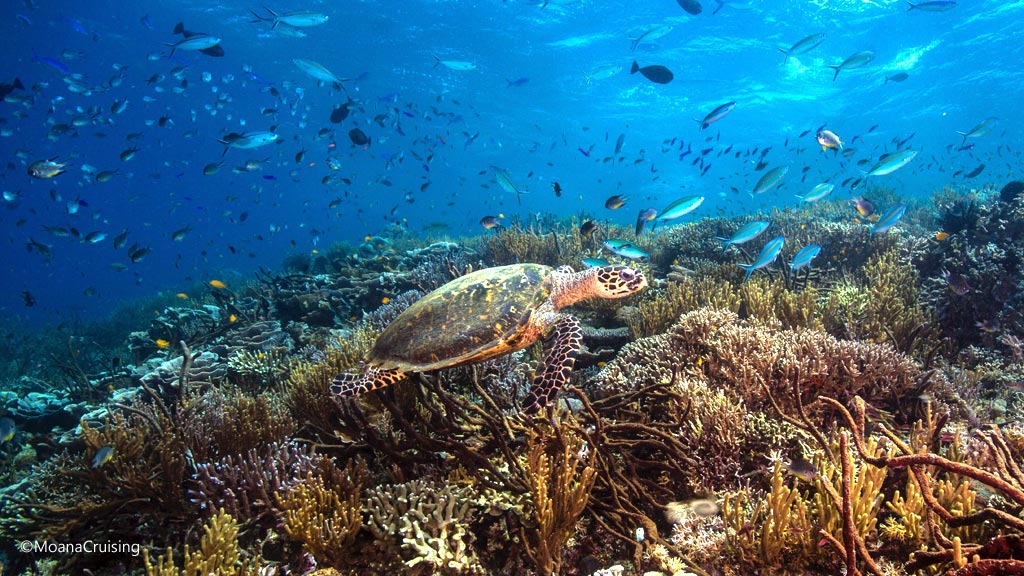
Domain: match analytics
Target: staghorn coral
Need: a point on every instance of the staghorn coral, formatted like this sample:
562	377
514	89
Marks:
769	300
324	513
424	526
258	370
218	553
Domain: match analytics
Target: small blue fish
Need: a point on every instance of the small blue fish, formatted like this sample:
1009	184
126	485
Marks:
103	455
679	208
892	163
746	233
594	262
818	192
768	255
769	180
804	257
889	219
625	249
933	6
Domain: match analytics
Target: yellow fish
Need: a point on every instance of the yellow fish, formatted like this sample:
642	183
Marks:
218	284
162	344
182	296
385	300
232	318
940	235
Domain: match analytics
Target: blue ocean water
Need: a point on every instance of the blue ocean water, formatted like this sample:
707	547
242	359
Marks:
547	99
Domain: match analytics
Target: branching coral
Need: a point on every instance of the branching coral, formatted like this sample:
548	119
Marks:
1001	474
245	485
139	485
885	308
518	244
218	553
654	315
325	513
424	525
224	421
561	475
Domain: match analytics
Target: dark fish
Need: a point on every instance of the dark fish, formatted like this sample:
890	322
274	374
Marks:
802	469
618	143
974	172
645	216
897	77
656	73
588	228
615	202
558	189
691	6
28	299
358	137
490	222
340	112
956	282
6	89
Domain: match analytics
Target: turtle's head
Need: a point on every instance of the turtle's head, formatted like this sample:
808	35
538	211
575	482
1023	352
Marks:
617	281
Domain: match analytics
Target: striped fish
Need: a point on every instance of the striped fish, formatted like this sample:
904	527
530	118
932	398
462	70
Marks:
818	192
768	255
770	180
746	233
716	115
889	219
804	256
892	163
678	209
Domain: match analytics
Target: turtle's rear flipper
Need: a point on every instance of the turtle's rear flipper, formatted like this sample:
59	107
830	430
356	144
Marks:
357	383
562	346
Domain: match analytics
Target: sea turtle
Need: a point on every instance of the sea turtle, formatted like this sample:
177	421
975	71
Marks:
489	313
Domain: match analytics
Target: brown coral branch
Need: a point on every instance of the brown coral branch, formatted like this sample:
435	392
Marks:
849	528
990	568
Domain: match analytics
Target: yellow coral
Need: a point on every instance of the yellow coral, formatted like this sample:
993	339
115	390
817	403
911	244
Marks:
560	478
325	518
217	555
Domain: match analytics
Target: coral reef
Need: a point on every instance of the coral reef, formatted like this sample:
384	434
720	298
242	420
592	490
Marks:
808	422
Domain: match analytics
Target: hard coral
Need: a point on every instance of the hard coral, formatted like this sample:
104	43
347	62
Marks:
218	553
745	357
424	526
323	512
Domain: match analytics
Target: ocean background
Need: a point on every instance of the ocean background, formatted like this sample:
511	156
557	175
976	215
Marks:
537	105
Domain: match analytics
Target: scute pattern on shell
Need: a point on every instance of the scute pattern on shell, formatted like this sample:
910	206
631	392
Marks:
472	318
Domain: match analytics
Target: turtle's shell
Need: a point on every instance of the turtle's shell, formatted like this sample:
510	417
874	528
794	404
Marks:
479	316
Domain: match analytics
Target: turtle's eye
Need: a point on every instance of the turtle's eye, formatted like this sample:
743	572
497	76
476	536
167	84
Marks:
626	275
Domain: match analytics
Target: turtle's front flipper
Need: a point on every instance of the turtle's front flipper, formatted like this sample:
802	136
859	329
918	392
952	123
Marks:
356	383
562	346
